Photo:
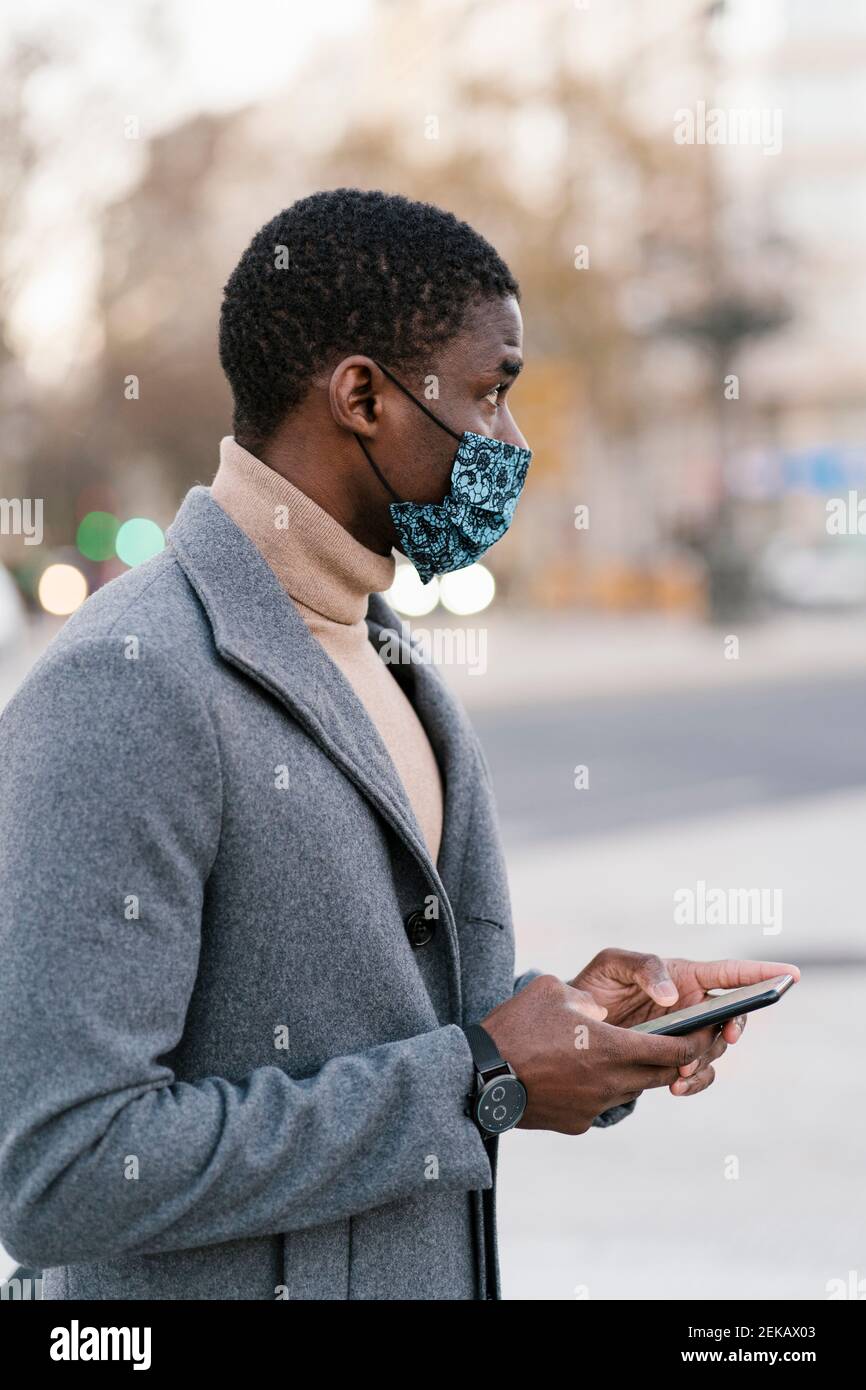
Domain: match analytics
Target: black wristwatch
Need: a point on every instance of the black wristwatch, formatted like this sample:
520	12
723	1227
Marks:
499	1099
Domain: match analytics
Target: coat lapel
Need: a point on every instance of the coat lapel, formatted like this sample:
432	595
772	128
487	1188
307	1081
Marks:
257	629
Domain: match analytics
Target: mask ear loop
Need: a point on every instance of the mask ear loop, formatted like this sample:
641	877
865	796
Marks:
420	404
379	474
377	470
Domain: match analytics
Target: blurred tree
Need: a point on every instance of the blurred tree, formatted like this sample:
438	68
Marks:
159	306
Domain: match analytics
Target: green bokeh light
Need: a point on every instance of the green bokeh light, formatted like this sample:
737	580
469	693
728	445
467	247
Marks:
97	535
137	540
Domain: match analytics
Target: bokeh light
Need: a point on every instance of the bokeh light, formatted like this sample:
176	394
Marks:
62	589
138	540
467	591
97	535
408	595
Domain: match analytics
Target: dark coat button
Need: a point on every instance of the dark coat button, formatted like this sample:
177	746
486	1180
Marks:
419	928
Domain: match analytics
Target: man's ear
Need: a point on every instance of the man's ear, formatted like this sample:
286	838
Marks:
355	395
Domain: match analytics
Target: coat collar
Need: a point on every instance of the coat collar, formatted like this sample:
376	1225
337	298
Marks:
257	629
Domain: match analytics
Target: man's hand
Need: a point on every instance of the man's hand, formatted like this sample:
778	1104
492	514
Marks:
572	1063
634	988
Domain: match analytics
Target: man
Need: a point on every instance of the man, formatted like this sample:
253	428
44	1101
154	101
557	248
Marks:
252	895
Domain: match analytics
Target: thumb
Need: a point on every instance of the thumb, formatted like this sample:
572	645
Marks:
652	975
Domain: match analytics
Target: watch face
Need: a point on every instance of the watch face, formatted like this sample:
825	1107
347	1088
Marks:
501	1104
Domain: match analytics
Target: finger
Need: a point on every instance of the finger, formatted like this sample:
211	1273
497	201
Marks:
653	1049
697	1083
636	967
733	974
653	976
704	1040
717	1050
651	1078
733	1029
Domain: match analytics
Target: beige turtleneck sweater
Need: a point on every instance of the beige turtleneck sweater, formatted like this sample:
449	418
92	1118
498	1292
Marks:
329	576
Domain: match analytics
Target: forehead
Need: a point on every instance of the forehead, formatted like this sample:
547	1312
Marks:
493	329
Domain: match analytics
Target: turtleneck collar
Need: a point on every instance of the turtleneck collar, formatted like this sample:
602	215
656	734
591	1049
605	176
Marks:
318	562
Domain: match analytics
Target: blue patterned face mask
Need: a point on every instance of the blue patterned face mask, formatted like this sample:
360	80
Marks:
486	480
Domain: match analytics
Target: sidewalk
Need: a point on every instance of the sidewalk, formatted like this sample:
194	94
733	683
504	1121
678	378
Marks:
534	658
572	897
751	1190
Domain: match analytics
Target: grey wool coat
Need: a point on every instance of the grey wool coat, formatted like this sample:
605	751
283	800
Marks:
226	1071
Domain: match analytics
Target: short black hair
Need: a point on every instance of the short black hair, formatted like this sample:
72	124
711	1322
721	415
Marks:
367	272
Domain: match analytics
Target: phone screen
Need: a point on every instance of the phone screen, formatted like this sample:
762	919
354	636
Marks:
720	1006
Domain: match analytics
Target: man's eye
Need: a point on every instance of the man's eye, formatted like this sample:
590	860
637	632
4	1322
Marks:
493	395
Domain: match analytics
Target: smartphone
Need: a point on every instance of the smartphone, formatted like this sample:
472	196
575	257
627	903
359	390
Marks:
718	1008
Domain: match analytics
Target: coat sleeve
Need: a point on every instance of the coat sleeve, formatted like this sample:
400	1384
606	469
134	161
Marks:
614	1115
526	979
110	818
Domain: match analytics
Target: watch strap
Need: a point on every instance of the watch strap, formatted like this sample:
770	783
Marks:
484	1050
